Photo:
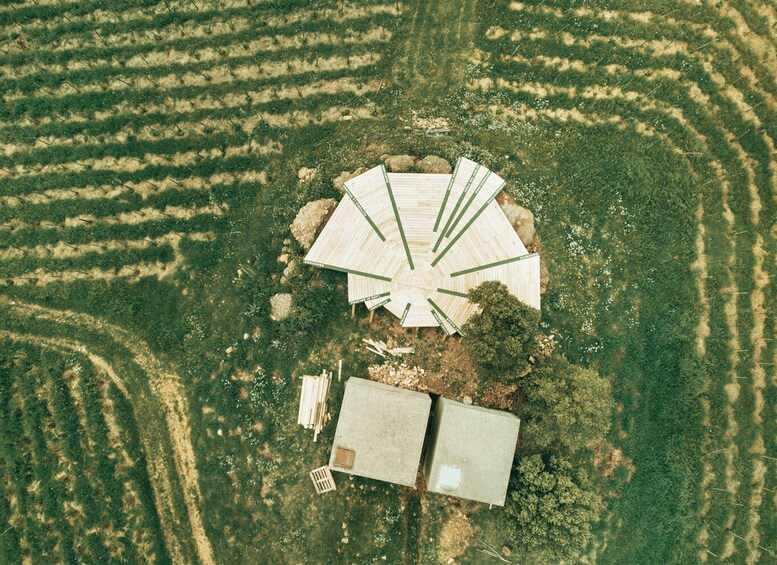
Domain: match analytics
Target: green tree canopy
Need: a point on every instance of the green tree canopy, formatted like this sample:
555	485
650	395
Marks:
567	406
500	338
550	508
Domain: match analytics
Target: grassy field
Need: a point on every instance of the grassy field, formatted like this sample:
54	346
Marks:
148	175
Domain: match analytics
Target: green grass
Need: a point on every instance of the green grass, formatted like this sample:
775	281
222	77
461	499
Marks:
616	212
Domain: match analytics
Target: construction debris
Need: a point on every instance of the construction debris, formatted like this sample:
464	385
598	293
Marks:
398	374
312	402
380	348
323	480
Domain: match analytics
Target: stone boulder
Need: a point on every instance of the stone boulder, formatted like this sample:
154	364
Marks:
521	218
400	163
290	270
434	164
344	176
310	220
306	174
280	306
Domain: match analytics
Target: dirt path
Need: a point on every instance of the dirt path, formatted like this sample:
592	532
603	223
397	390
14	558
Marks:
167	389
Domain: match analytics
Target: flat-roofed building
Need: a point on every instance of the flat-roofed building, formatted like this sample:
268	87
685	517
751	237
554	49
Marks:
380	432
471	452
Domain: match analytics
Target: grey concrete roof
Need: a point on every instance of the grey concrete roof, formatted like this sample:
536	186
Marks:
471	452
381	428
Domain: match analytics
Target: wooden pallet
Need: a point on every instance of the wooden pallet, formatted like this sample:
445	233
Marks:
323	481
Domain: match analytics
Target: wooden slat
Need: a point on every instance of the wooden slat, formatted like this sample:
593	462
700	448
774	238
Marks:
522	278
349	243
463	179
447	195
361	288
456	309
312	403
398	219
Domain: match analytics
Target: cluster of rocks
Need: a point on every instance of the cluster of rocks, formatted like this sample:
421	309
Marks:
308	223
344	176
306	174
398	374
399	164
521	218
431	164
431	124
280	306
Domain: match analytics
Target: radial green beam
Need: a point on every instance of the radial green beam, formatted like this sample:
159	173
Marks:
494	264
399	220
447	195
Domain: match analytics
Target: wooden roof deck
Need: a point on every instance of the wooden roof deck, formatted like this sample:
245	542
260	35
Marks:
416	243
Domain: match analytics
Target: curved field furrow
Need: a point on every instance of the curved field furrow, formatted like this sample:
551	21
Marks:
63	250
731	292
756	334
61	269
139	216
708	36
757	247
125	110
209	126
164	389
171	132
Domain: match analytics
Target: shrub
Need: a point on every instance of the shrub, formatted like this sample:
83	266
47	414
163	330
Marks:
550	508
503	335
567	406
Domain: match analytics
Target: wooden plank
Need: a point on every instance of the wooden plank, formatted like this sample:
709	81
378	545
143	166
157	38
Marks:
346	270
376	303
522	279
472	220
456	309
364	213
453	292
473	195
404	314
443	317
312	405
348	243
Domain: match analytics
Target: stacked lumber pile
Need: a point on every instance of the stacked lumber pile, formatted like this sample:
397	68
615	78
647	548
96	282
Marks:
312	402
